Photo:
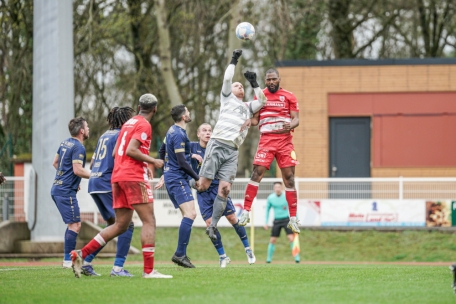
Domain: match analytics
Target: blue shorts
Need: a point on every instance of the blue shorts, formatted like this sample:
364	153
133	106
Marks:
206	203
68	207
104	204
179	191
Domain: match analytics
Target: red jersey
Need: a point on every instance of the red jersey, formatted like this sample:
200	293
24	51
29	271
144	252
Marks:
125	167
277	110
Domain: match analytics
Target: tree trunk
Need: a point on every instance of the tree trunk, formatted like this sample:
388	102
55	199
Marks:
165	53
342	31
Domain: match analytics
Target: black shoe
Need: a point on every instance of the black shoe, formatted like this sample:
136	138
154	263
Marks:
453	270
211	232
183	261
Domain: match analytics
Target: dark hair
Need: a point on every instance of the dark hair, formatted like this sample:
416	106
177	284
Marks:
75	125
177	112
118	116
272	70
280	183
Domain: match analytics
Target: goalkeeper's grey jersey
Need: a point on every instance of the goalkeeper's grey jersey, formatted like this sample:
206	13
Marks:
233	114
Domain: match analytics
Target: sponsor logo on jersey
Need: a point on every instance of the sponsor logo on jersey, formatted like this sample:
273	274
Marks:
261	155
241	110
81	156
275	104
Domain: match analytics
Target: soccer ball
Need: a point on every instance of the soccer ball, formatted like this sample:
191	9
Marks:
245	31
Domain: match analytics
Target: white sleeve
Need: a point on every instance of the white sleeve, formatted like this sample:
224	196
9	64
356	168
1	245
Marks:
227	80
256	105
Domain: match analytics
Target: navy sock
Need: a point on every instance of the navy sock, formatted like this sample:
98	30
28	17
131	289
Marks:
185	230
123	246
69	244
91	256
240	230
218	244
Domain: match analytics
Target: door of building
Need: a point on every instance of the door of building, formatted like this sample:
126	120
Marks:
349	150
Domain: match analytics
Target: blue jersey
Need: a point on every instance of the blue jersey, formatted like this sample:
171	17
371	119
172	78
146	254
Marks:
176	142
66	183
195	148
103	163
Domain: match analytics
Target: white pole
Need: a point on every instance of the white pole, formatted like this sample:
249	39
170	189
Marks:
53	106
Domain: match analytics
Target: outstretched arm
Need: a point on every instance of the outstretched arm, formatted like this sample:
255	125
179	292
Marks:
229	73
228	80
261	100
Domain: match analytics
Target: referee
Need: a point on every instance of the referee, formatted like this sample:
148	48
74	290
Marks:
278	202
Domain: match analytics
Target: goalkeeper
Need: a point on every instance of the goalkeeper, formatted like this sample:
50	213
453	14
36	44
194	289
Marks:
229	133
278	203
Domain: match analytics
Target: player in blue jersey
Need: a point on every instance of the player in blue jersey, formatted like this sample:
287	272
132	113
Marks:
69	163
175	151
2	178
101	191
206	199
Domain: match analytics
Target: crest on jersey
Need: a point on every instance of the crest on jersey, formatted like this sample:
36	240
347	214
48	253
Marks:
143	136
282	98
182	144
293	155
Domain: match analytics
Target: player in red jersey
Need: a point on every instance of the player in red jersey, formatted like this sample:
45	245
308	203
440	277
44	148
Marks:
276	120
130	188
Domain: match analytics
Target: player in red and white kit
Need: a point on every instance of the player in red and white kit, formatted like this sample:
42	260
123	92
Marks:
130	188
276	120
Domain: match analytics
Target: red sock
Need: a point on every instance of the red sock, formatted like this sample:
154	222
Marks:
96	243
292	200
148	251
250	194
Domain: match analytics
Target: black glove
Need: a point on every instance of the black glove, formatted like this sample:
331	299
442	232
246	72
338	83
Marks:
236	55
251	77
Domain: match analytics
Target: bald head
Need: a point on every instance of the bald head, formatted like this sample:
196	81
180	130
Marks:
238	90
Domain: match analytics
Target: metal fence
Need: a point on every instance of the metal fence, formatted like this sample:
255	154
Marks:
13	199
15	192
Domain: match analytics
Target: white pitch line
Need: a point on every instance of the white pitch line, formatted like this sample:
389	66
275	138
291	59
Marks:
25	268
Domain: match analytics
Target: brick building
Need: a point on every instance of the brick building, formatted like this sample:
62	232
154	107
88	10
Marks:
382	118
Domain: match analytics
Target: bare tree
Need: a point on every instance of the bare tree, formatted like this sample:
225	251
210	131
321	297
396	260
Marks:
165	53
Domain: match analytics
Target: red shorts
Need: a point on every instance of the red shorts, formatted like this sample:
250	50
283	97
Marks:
279	146
126	194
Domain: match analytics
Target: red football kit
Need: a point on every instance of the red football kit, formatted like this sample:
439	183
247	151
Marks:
130	182
273	115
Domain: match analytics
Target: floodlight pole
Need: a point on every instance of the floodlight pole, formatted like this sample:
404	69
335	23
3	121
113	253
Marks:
53	107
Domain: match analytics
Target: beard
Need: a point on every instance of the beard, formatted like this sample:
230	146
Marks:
273	88
86	136
187	120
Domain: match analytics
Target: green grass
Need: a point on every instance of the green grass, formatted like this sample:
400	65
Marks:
264	283
317	245
260	283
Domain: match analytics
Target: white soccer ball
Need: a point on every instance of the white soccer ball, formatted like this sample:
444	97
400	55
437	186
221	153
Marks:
245	31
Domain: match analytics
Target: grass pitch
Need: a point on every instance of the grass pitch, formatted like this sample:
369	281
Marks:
264	283
279	282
